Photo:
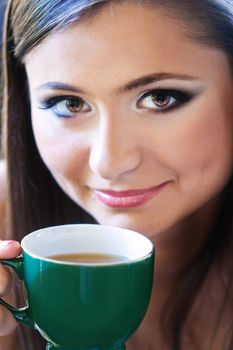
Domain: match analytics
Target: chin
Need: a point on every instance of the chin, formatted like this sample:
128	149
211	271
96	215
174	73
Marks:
143	227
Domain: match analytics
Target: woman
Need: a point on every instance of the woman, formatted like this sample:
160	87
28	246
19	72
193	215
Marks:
121	113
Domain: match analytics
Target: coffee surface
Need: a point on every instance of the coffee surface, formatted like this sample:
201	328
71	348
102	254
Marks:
93	258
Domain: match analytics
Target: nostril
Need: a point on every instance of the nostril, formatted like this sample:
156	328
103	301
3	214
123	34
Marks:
115	150
113	164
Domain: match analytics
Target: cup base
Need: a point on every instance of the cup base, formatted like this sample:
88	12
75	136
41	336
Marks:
50	346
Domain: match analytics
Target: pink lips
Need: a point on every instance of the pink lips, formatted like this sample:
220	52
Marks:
128	199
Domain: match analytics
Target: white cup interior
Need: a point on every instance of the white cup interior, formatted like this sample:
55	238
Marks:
85	238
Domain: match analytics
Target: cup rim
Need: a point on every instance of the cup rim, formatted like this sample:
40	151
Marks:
59	228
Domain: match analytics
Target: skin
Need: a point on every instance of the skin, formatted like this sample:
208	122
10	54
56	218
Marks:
104	146
117	143
8	249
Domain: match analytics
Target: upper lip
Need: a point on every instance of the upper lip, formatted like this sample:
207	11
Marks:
129	193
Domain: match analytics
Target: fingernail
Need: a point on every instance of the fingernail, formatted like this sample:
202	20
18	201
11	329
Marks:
7	243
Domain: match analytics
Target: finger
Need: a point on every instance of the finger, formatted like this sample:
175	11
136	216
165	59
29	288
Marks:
9	249
5	280
7	322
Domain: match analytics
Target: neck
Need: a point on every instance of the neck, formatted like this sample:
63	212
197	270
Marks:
177	246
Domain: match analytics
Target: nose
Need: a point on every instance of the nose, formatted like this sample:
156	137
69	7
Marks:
114	152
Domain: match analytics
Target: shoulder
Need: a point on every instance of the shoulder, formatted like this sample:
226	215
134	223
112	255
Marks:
3	195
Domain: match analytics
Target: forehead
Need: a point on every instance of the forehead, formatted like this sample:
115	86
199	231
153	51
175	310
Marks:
117	43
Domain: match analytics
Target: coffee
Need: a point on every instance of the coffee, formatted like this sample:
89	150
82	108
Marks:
93	258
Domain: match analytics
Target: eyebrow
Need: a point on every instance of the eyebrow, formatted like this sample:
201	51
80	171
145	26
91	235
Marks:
134	84
154	78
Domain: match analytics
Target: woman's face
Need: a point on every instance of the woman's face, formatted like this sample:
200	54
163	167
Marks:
133	118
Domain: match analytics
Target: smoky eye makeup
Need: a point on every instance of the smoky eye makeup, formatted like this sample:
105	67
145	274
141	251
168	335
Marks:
154	100
64	106
163	100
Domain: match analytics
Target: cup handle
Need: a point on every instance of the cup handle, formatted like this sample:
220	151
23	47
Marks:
21	314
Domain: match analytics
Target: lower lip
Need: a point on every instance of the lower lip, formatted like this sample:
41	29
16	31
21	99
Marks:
128	201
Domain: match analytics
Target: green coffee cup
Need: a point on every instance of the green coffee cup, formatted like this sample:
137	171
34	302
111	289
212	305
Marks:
84	305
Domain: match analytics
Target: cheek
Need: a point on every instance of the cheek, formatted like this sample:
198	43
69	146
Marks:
64	152
200	149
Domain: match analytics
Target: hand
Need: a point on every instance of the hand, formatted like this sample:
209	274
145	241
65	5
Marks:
8	250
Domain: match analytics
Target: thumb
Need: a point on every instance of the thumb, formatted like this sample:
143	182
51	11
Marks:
9	249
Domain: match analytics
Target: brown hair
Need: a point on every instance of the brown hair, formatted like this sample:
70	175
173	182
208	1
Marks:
35	200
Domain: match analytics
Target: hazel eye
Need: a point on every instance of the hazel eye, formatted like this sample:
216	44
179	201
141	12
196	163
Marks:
159	100
162	100
66	106
73	105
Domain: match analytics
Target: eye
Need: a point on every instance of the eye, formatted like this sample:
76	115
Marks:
162	100
66	106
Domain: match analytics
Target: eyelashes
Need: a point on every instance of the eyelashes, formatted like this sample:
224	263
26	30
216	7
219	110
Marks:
163	100
65	106
153	101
